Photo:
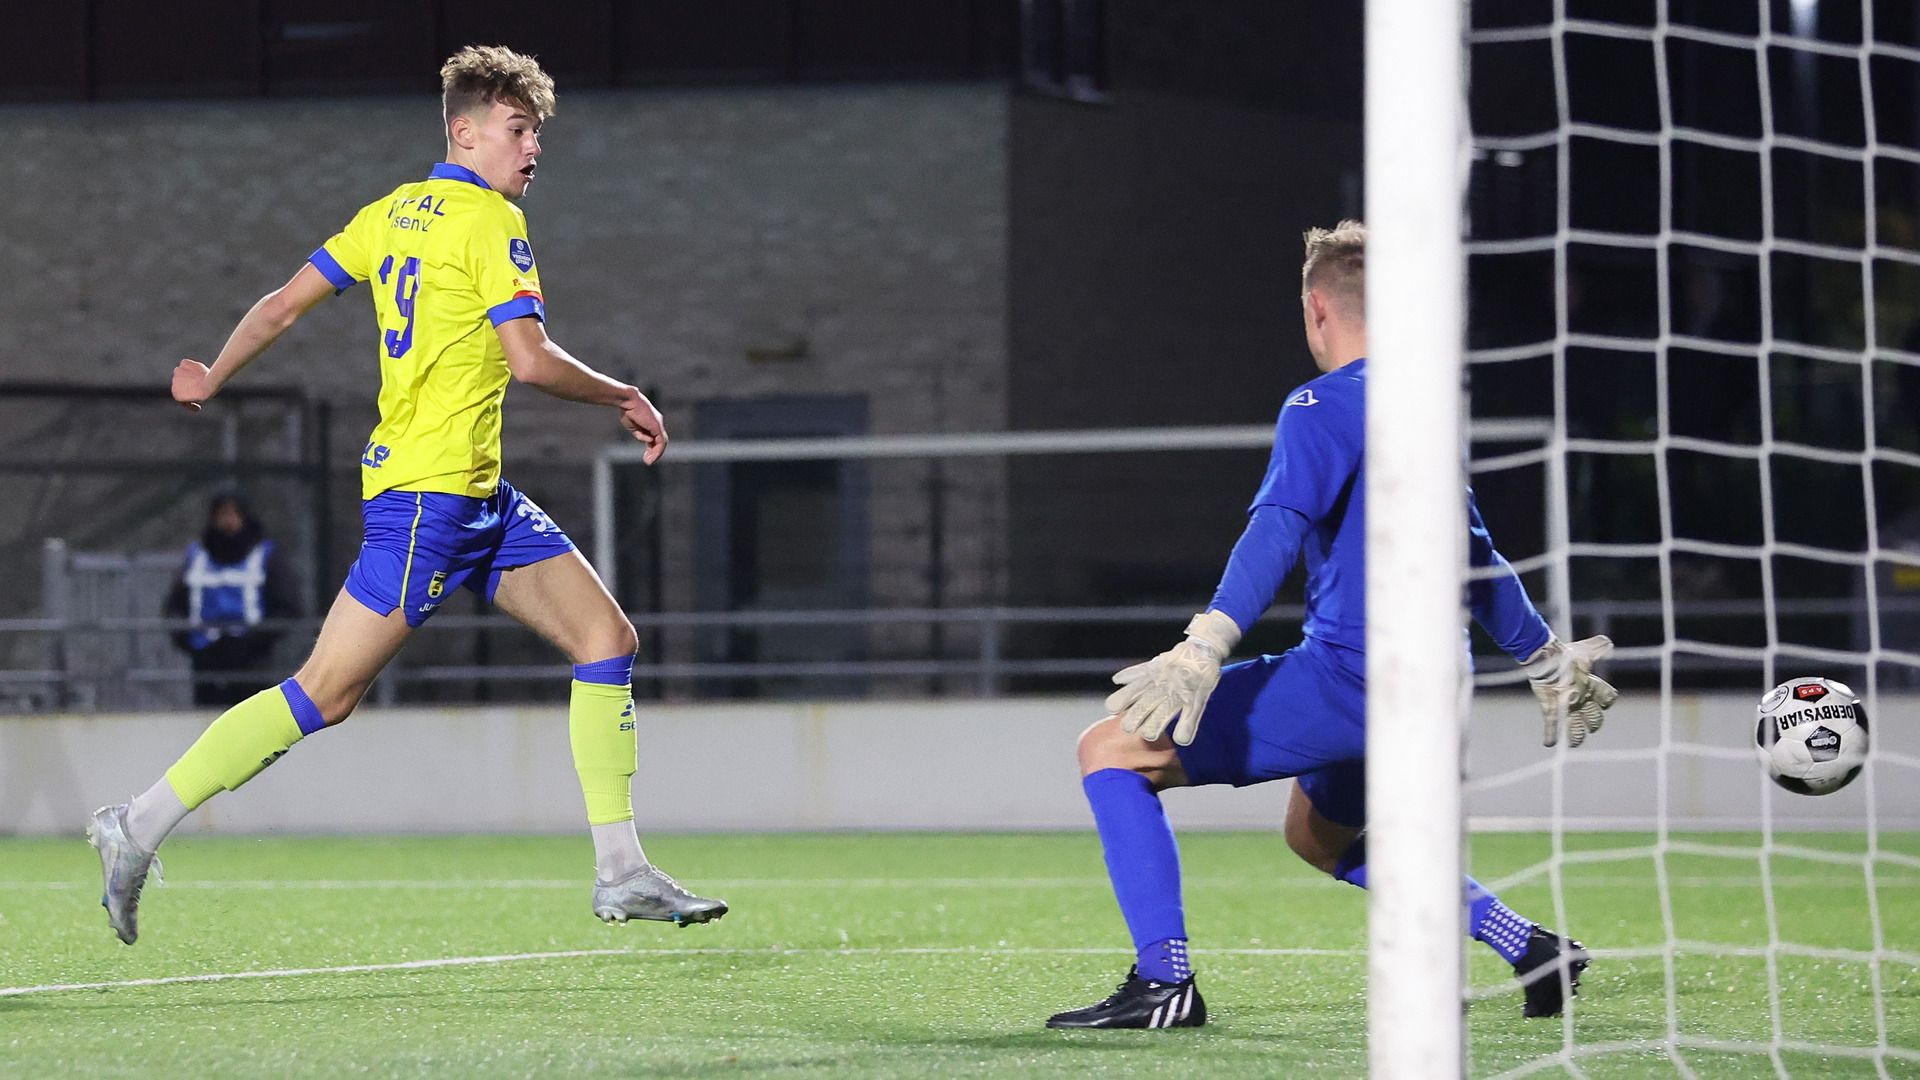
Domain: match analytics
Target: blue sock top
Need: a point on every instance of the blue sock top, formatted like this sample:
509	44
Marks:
305	712
615	672
1164	961
1495	923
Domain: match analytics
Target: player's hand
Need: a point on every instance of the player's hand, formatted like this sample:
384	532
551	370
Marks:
1178	682
1567	689
645	423
191	386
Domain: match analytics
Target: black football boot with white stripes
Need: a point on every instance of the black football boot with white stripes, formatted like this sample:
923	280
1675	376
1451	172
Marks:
1140	1003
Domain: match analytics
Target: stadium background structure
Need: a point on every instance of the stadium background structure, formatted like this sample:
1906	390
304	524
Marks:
808	249
1730	334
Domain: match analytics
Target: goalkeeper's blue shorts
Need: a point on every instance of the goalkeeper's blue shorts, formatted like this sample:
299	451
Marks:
1303	714
419	546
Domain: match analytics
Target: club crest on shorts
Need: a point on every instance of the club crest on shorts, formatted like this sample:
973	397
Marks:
437	584
521	253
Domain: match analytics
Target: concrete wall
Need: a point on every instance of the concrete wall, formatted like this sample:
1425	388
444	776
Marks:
962	765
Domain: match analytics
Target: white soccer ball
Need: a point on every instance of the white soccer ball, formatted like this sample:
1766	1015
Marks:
1812	735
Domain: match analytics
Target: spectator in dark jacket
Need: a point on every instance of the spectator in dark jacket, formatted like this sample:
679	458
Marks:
232	579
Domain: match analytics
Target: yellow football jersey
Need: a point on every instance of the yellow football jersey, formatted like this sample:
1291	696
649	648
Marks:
448	260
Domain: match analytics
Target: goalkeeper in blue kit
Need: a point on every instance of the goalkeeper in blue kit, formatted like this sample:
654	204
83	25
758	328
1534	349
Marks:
1303	714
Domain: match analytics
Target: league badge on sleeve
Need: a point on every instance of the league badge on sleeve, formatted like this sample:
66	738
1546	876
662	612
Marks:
521	253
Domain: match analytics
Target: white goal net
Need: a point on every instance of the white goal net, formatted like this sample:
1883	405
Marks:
1694	247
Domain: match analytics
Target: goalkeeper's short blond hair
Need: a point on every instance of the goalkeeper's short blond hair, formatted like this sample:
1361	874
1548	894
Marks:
1337	263
479	75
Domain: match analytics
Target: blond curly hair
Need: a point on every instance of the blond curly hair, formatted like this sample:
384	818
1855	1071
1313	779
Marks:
479	75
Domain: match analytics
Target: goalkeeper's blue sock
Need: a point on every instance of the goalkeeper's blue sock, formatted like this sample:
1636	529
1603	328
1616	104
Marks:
1488	919
1352	866
1144	865
1493	922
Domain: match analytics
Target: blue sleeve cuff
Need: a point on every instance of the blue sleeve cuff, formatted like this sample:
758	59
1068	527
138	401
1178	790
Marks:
517	308
1539	633
331	269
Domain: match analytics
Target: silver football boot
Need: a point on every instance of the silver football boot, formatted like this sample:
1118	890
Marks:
123	870
649	893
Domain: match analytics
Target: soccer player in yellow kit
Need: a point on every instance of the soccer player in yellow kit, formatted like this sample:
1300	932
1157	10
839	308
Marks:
456	292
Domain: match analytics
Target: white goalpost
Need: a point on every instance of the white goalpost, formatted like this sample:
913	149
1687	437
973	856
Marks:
1416	159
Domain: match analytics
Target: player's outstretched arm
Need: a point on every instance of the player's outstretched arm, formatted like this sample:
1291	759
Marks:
195	382
536	360
1560	673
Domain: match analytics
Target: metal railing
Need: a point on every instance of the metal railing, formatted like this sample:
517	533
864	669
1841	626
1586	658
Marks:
979	654
985	664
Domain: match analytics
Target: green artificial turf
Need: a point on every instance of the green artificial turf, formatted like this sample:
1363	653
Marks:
892	955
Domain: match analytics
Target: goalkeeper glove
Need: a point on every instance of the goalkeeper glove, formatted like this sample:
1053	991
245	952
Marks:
1567	689
1177	682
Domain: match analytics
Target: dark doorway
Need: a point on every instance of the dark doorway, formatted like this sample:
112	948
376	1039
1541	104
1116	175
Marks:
784	535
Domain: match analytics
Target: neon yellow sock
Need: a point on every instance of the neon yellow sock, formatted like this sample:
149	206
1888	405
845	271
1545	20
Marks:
235	747
605	749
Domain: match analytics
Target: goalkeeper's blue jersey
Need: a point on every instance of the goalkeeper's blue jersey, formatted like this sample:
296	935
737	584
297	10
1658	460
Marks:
1317	472
1318	446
